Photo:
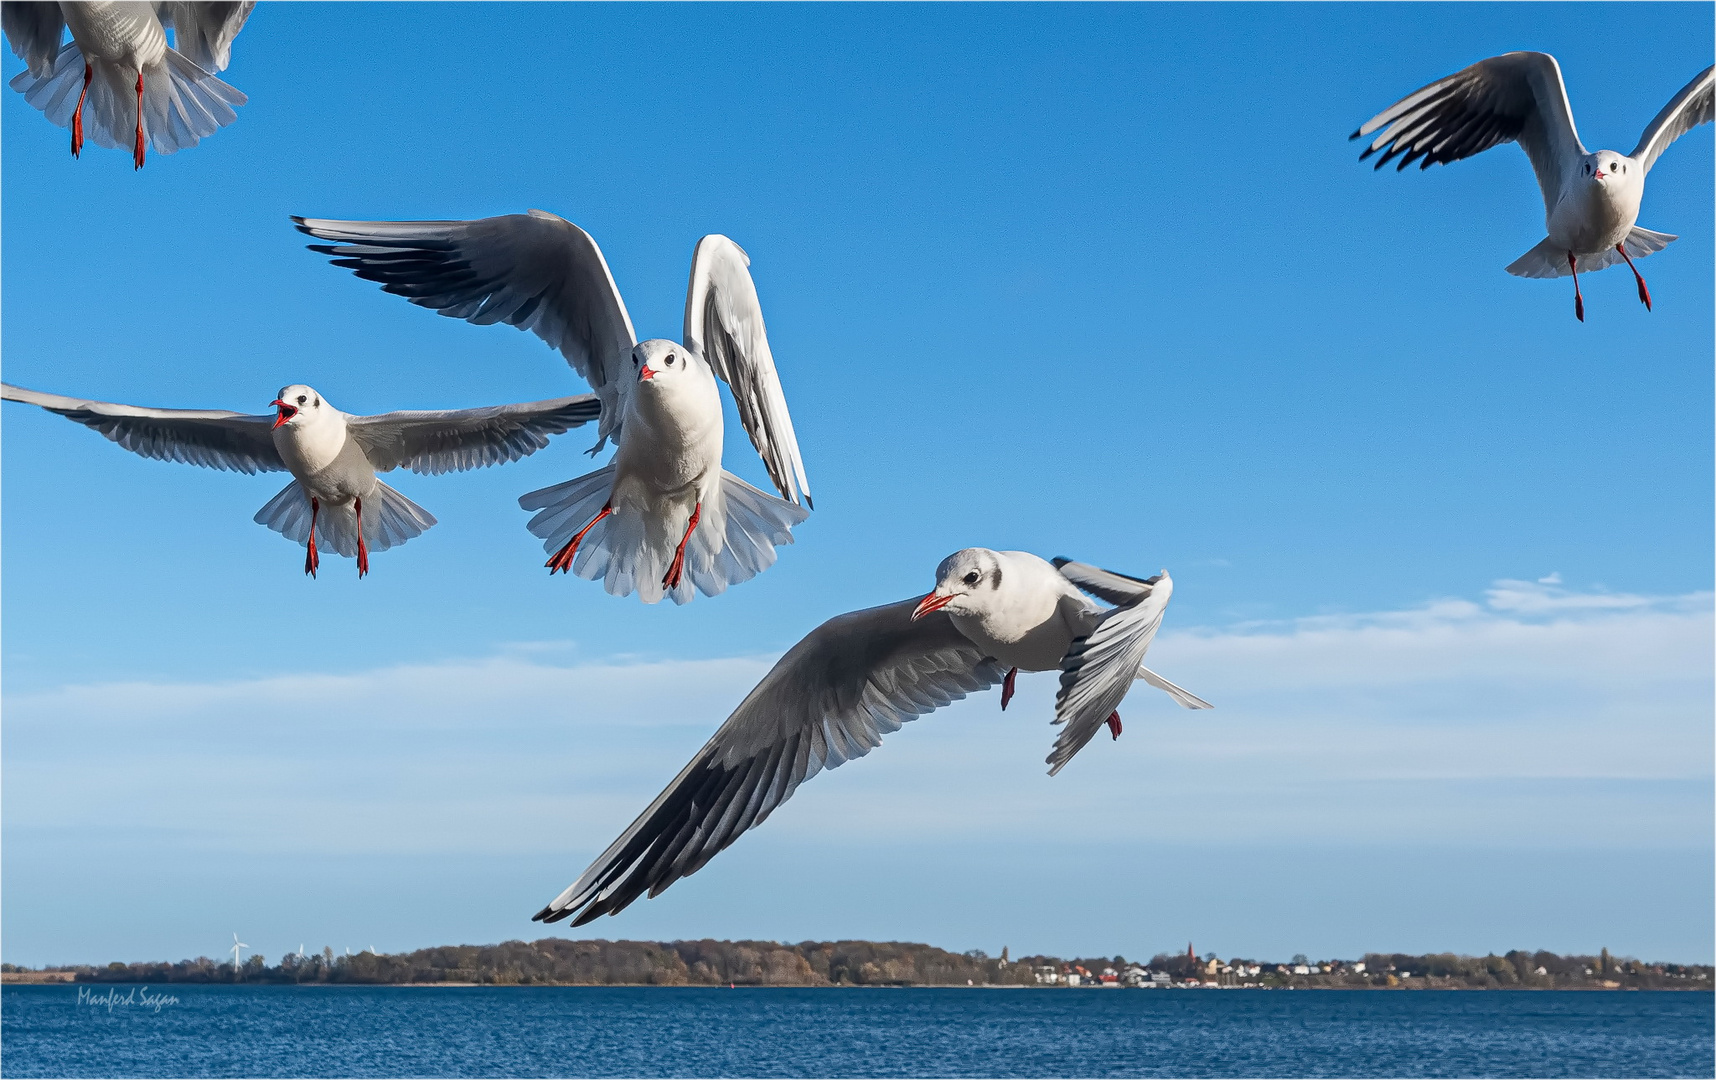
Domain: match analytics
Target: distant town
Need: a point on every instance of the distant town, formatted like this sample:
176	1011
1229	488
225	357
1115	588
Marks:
566	962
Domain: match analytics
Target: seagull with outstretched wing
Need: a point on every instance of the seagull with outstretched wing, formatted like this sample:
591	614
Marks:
335	497
662	518
1590	200
861	675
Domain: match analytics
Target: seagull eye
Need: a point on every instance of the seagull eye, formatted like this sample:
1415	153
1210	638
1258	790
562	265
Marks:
300	399
670	359
971	578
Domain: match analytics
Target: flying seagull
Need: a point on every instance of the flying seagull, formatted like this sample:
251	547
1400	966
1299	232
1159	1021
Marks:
858	676
662	518
332	456
118	77
1590	200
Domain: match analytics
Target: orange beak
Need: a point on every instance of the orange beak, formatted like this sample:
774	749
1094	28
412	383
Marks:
932	602
287	412
645	373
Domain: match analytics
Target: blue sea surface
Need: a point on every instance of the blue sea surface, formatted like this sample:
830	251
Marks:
625	1031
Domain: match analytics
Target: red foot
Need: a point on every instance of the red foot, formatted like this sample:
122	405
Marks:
77	114
137	151
671	580
1114	724
363	549
1578	300
1644	293
311	559
1007	686
562	559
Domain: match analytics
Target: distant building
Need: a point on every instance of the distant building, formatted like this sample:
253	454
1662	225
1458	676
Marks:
1359	967
1301	969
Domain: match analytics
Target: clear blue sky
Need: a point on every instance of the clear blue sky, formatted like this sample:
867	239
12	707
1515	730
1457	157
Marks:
1099	281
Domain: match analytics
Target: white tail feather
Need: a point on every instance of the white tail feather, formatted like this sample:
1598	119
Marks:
735	539
389	519
1546	260
182	103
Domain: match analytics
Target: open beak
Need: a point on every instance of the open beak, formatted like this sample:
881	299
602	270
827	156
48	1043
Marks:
645	373
287	412
1598	174
932	602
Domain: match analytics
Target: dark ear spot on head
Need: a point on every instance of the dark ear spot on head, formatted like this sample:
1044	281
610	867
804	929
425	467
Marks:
995	578
318	403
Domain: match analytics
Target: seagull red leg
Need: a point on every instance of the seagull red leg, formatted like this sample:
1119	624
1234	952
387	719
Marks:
1007	687
1644	293
137	150
311	559
77	113
562	559
1578	300
671	579
1114	723
363	549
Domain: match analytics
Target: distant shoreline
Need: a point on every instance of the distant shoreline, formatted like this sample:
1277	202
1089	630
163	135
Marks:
11	979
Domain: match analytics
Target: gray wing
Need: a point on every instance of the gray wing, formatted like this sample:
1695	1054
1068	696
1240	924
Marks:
1518	96
451	440
1105	585
1180	694
212	438
535	271
1098	669
203	32
831	698
1690	107
34	30
724	325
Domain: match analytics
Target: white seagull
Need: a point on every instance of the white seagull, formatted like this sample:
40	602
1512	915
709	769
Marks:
118	74
858	676
333	456
663	518
1590	200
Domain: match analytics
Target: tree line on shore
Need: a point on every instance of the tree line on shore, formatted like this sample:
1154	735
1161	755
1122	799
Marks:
563	962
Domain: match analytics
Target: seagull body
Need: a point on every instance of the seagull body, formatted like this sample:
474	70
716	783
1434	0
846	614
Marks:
861	675
663	518
118	79
1590	200
335	497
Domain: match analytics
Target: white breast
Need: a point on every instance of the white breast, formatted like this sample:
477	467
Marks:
309	448
124	32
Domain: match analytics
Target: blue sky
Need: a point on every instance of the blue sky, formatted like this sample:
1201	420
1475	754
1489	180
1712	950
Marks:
1101	281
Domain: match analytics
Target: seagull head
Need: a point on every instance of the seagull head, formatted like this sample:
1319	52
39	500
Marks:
297	405
1607	167
964	581
659	362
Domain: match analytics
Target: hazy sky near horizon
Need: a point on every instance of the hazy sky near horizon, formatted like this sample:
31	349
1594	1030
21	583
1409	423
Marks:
1102	281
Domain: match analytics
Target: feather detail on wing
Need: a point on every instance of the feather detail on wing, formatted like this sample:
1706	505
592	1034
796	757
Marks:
436	442
535	271
1518	96
212	438
34	31
1688	109
1098	669
724	325
203	32
830	699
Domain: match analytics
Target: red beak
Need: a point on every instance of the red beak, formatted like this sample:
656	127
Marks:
645	372
1598	174
287	412
930	603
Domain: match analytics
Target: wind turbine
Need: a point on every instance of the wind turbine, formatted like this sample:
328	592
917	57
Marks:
236	945
300	950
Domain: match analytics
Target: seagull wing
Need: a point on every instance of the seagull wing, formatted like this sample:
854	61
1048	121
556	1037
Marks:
34	31
212	438
1690	107
724	325
1099	668
535	271
1517	96
831	698
1180	694
203	32
452	440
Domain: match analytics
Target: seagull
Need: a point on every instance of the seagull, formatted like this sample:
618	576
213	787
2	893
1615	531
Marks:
858	676
333	456
118	72
662	518
1590	200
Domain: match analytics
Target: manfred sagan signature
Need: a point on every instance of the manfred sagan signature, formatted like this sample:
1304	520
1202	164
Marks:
131	998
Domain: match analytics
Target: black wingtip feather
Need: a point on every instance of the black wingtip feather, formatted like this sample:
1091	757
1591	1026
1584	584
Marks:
1060	561
1354	135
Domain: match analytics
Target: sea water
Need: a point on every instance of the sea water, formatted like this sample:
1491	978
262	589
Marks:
187	1030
